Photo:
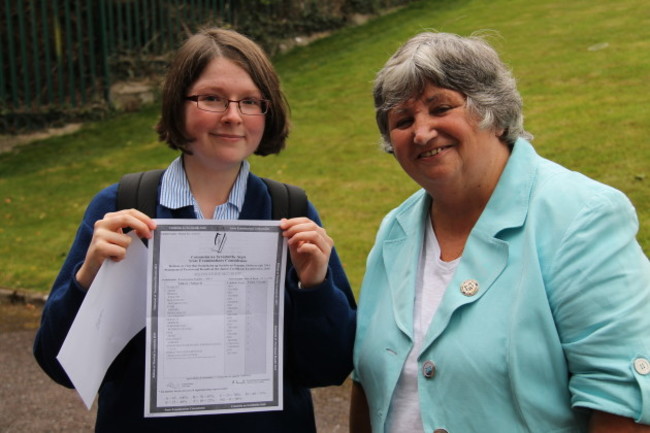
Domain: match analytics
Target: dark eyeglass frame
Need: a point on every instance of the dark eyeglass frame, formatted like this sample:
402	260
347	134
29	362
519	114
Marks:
264	104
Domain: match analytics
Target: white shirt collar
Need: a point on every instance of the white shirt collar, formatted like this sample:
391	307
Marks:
175	191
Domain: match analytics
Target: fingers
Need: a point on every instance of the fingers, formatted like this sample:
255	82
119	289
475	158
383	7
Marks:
110	242
310	247
305	235
132	218
109	239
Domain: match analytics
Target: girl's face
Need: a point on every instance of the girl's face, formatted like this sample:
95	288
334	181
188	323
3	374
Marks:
223	140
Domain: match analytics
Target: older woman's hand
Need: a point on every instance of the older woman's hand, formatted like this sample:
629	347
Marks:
603	422
310	248
110	242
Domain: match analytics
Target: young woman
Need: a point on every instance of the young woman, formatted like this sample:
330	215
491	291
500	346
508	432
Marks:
221	102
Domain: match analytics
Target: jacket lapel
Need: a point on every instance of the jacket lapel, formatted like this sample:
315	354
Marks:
476	273
401	253
486	255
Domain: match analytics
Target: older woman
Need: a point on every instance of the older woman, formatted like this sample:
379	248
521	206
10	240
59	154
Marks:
509	294
221	103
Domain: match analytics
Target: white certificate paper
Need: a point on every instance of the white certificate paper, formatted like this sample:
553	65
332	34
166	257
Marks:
215	310
112	313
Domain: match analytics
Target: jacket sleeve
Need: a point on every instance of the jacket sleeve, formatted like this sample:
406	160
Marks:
321	326
599	290
66	295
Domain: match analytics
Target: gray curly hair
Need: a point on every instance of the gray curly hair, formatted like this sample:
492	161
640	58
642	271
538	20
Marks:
468	65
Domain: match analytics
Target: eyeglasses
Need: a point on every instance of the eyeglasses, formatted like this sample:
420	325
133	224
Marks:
217	104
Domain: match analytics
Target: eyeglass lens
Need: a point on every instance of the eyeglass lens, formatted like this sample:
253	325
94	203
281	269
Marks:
219	104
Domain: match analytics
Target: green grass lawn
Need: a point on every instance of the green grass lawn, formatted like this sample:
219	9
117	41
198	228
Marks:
582	68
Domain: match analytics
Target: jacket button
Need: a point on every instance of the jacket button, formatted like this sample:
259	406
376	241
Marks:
642	366
428	369
469	287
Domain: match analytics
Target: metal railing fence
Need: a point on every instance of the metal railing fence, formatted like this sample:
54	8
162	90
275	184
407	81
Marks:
58	58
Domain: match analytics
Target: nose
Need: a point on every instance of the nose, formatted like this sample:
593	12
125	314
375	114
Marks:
231	114
424	129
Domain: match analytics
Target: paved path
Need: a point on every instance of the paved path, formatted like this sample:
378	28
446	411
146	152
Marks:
30	402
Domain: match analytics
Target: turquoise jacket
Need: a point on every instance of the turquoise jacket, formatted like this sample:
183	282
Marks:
548	313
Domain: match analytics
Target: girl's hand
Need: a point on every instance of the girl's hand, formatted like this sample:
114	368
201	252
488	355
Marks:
110	242
310	248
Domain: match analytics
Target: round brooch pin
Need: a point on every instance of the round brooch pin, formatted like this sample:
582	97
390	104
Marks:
469	287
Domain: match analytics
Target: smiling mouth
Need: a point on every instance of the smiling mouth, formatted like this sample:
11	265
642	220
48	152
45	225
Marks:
433	152
229	136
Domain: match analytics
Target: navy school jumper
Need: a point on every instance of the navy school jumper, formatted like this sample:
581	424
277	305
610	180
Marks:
319	329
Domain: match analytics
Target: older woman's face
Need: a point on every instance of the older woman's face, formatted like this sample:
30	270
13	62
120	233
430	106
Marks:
438	142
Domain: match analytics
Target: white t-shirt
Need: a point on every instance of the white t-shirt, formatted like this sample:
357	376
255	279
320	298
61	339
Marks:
433	277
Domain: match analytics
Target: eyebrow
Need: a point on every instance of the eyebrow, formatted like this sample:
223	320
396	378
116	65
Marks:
221	91
437	97
398	110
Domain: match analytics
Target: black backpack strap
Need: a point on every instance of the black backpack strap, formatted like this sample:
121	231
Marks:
288	201
139	191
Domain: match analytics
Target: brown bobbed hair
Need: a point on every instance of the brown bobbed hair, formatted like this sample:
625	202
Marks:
189	63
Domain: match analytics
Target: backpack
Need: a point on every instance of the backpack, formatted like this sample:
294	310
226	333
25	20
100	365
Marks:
139	191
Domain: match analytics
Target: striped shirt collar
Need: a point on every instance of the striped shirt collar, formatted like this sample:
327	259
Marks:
175	192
